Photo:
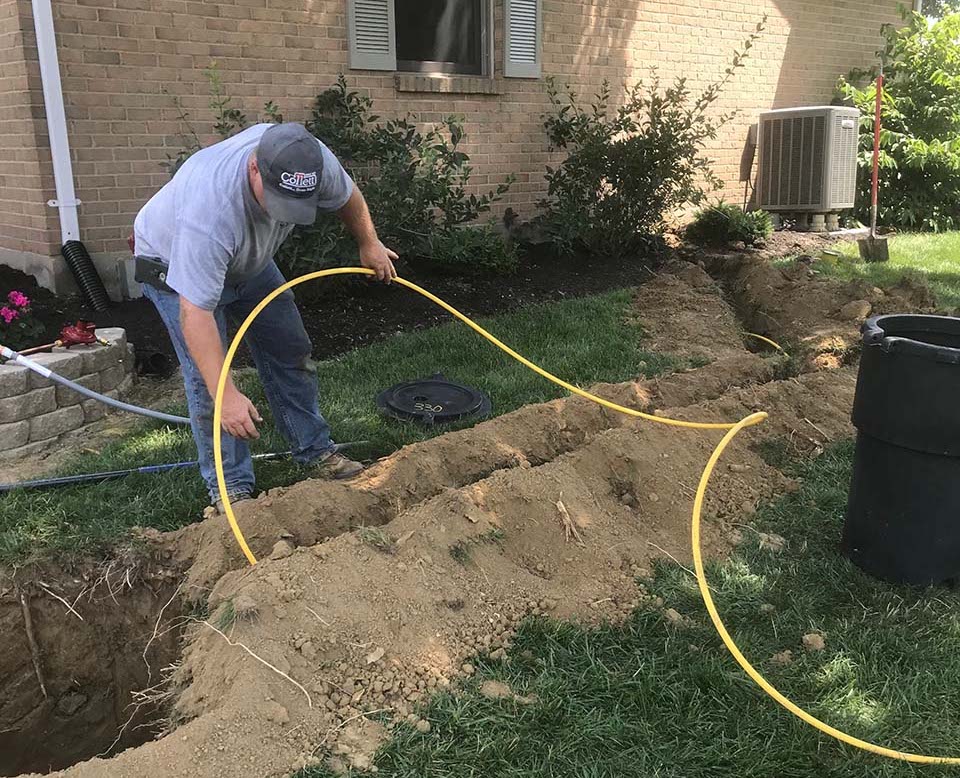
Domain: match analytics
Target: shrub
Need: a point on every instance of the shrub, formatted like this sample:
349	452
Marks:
18	328
724	223
415	184
920	140
628	168
472	248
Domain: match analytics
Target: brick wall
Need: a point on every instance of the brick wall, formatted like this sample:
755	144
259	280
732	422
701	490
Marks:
25	169
128	63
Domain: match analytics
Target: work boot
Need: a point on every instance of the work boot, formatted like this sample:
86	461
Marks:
336	467
217	508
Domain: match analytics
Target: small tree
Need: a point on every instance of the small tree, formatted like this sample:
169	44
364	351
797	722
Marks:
920	139
628	168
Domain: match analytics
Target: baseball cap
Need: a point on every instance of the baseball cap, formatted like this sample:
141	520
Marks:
291	165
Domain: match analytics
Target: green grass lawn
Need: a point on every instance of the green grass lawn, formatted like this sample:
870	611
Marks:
584	340
648	699
936	257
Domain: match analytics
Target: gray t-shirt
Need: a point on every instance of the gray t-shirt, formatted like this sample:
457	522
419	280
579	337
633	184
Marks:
208	227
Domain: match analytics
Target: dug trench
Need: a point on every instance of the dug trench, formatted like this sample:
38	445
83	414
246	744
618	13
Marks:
371	595
77	662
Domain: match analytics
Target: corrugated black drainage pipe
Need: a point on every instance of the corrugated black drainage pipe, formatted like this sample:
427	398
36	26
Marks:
84	271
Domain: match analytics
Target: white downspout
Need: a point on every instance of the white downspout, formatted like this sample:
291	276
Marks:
918	6
66	201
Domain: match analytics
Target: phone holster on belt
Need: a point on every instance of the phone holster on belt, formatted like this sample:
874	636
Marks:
152	272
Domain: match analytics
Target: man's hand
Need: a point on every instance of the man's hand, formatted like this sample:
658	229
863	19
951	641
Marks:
373	254
240	417
379	259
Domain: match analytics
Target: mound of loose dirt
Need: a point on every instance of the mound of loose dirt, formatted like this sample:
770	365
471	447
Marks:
312	511
800	308
376	618
373	594
682	312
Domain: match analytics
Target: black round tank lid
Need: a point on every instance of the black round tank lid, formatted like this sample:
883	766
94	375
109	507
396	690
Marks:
434	400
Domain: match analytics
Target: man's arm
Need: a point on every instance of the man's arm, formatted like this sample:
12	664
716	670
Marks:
373	254
240	416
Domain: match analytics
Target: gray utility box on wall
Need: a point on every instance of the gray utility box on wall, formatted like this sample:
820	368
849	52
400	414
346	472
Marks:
808	159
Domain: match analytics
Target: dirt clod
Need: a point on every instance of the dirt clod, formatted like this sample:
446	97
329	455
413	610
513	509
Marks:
282	549
856	310
375	656
244	606
496	690
814	642
276	713
771	542
782	659
674	617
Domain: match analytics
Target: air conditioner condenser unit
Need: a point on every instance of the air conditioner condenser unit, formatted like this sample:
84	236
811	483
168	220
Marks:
808	159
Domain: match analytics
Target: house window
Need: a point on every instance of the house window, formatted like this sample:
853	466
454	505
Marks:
440	36
444	36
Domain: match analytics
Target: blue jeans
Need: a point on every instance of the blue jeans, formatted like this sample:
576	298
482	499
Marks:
281	351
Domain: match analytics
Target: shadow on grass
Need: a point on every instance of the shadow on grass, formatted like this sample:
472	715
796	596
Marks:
649	699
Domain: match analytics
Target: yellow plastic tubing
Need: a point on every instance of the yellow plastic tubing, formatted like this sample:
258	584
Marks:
766	340
750	670
341	271
732	430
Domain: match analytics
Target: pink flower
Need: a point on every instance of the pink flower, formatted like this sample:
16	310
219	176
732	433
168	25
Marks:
8	314
18	299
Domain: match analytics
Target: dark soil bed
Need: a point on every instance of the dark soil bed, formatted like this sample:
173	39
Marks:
344	314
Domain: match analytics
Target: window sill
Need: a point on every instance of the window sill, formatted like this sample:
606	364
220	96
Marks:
460	85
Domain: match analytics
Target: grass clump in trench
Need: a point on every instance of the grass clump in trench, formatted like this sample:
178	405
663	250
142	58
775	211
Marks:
654	699
585	340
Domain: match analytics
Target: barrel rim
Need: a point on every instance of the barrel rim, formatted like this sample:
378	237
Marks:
875	334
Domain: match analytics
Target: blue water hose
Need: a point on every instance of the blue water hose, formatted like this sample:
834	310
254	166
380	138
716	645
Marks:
113	475
39	369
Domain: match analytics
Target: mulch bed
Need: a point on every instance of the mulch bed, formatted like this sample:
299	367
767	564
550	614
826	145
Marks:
344	314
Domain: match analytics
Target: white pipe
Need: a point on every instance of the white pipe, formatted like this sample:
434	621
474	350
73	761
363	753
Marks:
918	6
66	200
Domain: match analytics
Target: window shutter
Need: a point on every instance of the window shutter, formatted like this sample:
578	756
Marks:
372	32
522	42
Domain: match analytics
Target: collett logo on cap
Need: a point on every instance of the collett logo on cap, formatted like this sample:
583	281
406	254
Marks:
301	183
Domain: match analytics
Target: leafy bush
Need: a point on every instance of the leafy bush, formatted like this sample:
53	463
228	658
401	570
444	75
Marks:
18	328
628	168
471	248
415	184
920	140
724	223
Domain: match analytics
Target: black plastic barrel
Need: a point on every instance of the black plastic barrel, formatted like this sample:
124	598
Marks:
903	516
